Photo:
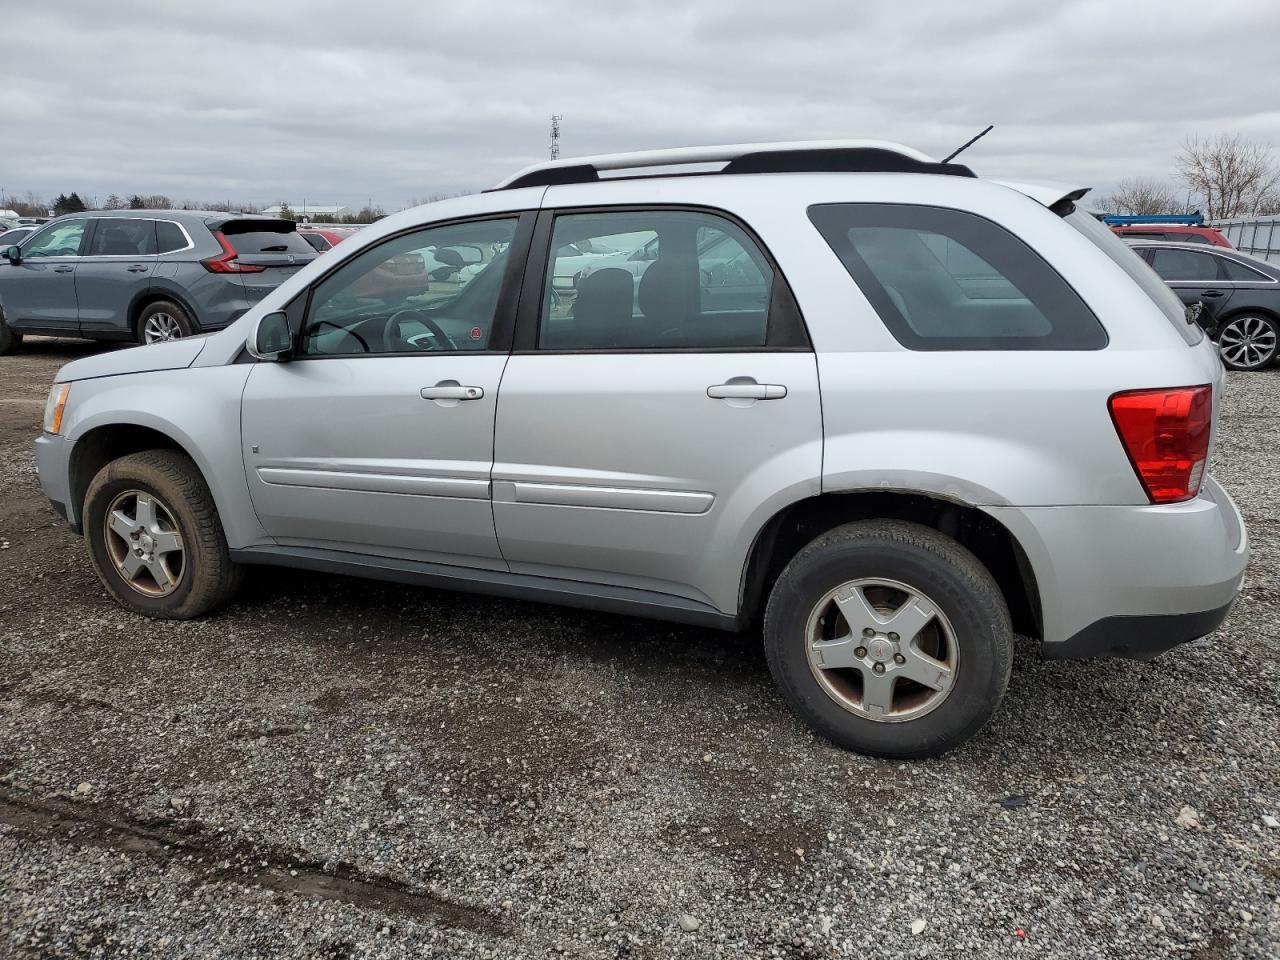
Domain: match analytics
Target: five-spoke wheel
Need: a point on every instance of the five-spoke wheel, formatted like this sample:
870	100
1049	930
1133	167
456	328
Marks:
143	542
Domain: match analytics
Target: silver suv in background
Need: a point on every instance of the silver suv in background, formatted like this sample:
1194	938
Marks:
142	275
886	410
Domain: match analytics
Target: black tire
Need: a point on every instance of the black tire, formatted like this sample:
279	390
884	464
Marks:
185	327
959	586
208	576
1268	348
10	339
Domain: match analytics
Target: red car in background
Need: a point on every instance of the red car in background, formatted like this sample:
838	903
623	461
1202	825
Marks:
324	238
1176	232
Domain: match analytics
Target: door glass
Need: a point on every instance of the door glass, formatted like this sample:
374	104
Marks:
60	240
122	238
654	280
433	289
1174	264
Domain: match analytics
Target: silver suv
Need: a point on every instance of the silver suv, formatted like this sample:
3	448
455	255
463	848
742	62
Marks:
887	411
142	275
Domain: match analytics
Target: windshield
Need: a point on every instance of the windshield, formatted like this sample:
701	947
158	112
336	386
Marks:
1132	264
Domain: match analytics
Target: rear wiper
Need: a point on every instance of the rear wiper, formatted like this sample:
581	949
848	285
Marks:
278	248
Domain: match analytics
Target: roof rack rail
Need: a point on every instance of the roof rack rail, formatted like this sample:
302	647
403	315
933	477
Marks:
800	156
1176	219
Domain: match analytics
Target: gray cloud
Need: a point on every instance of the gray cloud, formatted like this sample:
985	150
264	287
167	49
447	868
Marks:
339	102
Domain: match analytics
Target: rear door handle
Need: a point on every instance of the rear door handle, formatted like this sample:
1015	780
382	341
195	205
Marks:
451	390
746	389
63	269
138	269
1212	294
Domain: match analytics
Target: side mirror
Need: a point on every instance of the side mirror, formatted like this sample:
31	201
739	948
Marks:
13	254
271	338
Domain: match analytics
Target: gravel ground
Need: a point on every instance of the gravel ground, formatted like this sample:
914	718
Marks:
336	768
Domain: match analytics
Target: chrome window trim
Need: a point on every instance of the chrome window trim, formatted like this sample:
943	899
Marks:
142	256
1262	277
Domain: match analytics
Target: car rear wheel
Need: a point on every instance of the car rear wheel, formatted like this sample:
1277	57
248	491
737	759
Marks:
10	340
1248	342
163	321
155	538
889	638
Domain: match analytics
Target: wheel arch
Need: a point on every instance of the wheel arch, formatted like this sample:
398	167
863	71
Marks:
100	445
800	522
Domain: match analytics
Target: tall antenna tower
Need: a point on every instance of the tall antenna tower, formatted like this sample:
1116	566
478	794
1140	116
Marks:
555	136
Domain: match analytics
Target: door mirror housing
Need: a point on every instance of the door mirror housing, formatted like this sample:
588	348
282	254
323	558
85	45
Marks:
13	254
271	338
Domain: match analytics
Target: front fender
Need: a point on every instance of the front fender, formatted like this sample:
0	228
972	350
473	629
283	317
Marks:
199	409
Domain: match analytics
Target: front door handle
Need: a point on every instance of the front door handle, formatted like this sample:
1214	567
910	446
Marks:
744	388
451	390
63	269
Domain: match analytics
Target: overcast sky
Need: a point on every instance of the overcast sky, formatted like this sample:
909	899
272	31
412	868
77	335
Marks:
340	102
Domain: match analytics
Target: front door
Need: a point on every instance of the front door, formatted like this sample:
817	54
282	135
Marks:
647	422
114	273
40	292
378	437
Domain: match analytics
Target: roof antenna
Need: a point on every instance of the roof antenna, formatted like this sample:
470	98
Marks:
969	143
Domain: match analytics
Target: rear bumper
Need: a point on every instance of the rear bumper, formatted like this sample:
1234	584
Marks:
1137	638
1132	581
53	463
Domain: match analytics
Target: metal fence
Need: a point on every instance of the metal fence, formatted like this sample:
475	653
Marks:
1256	236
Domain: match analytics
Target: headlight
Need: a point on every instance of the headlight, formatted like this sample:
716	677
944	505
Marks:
54	406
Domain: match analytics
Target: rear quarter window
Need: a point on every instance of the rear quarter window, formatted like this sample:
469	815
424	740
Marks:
944	279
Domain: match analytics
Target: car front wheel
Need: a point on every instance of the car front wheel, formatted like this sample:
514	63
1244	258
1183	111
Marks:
155	538
889	638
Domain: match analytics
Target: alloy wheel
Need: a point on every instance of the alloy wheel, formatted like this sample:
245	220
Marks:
1248	342
161	327
881	649
144	544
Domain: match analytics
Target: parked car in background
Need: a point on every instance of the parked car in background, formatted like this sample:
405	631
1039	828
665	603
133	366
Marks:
324	238
937	410
1176	233
32	221
143	275
14	235
1240	295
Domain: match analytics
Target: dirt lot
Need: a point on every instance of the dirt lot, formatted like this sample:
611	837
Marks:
336	768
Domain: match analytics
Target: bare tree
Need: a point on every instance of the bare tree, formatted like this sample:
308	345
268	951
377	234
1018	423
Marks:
1142	197
1236	177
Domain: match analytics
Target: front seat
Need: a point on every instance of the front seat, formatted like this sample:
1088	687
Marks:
602	312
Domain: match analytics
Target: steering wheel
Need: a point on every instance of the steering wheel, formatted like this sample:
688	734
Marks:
391	338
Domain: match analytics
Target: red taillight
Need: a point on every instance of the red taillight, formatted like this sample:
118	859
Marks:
227	263
1166	434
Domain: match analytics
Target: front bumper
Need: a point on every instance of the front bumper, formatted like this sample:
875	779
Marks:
1132	581
53	463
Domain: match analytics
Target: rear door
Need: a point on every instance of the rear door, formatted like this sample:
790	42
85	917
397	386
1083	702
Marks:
40	292
648	415
1193	276
115	271
268	252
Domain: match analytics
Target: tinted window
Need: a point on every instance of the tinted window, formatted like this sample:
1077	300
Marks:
1189	237
1231	269
318	243
660	280
948	280
169	236
10	237
1174	264
59	240
249	237
418	292
114	237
